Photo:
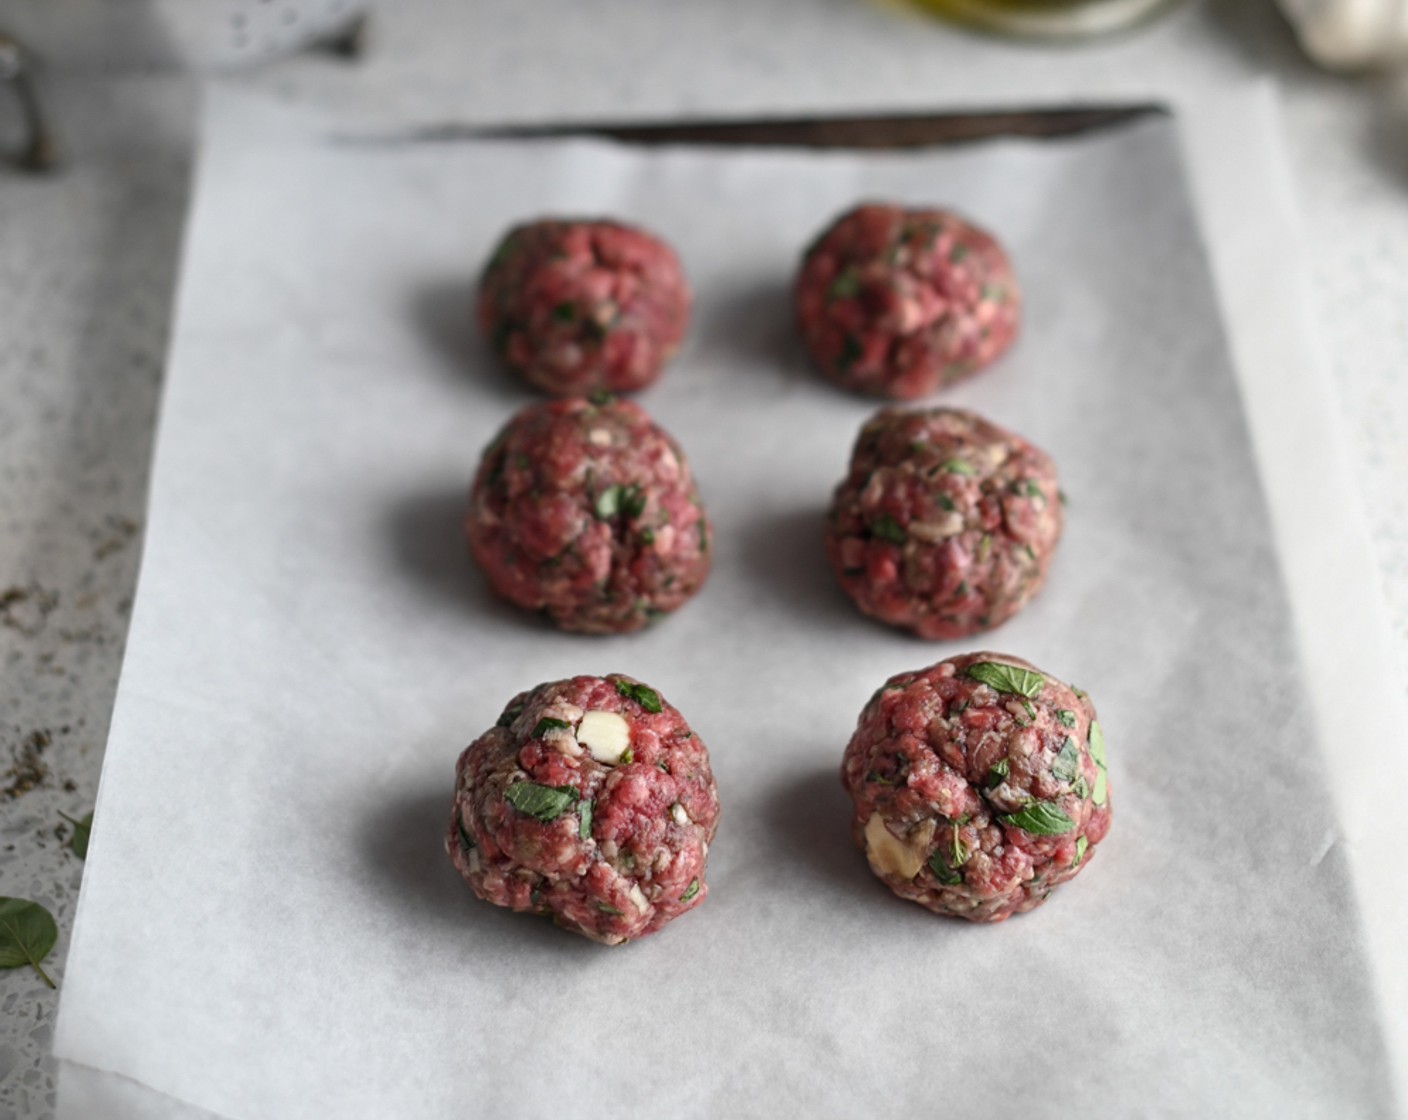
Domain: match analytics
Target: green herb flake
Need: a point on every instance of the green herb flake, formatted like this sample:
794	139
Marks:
1032	490
1067	718
633	501
1081	845
647	536
958	466
78	843
543	803
997	774
984	547
1067	764
546	724
943	872
690	891
845	286
957	253
607	908
27	933
946	503
564	313
600	397
1040	818
1081	787
887	528
511	713
960	849
584	825
646	697
608	503
1006	678
851	350
1031	712
1097	752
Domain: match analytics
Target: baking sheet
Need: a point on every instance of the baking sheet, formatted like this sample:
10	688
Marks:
268	926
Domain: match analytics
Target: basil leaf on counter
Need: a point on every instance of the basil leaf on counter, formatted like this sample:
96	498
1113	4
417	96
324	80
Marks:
78	844
1040	818
1006	678
544	803
27	933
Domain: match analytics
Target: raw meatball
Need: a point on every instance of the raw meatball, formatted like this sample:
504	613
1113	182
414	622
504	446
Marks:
979	785
945	524
898	303
591	801
576	306
585	510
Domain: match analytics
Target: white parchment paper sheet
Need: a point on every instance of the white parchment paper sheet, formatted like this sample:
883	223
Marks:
268	925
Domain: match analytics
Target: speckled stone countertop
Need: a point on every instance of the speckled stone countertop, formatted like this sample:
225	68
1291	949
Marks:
88	262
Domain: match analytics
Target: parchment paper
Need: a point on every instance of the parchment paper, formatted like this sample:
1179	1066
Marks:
269	927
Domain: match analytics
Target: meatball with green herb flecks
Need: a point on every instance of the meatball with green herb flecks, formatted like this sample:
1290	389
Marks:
577	306
945	523
585	510
590	801
899	303
979	785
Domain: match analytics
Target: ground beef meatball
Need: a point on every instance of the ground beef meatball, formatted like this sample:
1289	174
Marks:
945	524
898	303
979	785
591	801
576	306
586	510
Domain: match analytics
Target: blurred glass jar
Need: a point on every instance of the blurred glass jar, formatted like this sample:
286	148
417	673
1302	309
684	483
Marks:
176	34
1050	19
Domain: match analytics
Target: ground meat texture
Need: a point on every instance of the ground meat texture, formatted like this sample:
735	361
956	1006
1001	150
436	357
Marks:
979	785
899	303
590	801
586	510
945	524
576	306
